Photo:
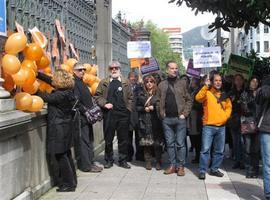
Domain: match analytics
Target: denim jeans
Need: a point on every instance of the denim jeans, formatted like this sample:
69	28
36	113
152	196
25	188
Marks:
265	150
175	136
212	135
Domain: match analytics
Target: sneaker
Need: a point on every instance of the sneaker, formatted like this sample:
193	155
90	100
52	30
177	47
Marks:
124	165
108	165
95	169
181	171
216	173
201	175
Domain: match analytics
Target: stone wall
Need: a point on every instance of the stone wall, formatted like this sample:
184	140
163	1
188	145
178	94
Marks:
23	162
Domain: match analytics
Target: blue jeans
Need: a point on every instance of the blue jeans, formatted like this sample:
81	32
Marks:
175	136
265	150
212	135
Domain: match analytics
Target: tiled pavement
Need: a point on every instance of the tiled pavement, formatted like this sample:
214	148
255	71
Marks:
139	184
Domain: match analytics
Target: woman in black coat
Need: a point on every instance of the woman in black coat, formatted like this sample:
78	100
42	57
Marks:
150	129
60	127
251	140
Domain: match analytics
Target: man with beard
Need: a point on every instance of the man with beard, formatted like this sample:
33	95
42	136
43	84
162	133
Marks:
217	109
114	96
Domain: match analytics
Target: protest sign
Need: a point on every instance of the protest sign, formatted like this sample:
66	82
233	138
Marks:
191	71
206	57
139	49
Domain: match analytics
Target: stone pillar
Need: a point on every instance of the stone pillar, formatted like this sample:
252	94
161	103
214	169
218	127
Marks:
104	35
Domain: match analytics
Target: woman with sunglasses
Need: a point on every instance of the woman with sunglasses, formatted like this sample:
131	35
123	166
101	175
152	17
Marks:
150	129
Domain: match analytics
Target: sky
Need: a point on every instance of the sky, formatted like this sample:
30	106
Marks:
161	13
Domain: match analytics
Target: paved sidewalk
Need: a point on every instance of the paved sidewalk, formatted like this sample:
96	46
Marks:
140	184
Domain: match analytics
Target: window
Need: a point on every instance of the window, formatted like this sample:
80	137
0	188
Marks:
258	46
266	46
251	46
266	29
251	33
258	29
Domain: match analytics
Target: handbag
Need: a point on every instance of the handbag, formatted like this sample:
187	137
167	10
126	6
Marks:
93	114
248	125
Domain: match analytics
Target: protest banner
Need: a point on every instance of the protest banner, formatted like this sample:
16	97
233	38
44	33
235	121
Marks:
206	57
3	18
139	49
150	67
240	65
191	71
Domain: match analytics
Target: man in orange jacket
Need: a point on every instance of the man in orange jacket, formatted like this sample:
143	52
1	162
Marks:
217	110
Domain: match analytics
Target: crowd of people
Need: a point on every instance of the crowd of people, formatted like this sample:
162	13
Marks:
159	113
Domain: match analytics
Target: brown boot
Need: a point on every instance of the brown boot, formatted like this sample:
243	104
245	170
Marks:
148	165
181	171
170	170
158	165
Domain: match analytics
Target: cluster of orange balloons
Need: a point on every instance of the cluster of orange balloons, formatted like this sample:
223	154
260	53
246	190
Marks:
27	102
90	77
23	74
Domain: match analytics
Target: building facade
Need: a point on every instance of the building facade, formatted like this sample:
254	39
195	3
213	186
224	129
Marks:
175	39
257	39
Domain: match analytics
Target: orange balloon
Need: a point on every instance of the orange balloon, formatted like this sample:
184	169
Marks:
44	87
49	88
36	105
71	62
31	89
90	90
66	67
8	83
29	64
87	67
33	52
93	71
89	79
47	70
43	62
20	77
94	88
30	76
11	64
15	43
23	101
97	80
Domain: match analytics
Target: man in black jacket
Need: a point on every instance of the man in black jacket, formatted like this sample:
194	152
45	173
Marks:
84	141
263	99
115	97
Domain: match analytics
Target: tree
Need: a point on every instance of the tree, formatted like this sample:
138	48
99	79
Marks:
262	65
232	13
160	46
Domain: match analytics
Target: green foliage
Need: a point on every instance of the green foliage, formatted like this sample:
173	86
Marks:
161	49
261	66
232	13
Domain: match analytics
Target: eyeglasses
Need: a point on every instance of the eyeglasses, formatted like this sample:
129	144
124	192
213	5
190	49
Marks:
114	68
149	81
81	70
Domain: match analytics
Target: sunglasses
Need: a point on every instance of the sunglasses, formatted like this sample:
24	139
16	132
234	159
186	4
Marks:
80	70
149	81
114	68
